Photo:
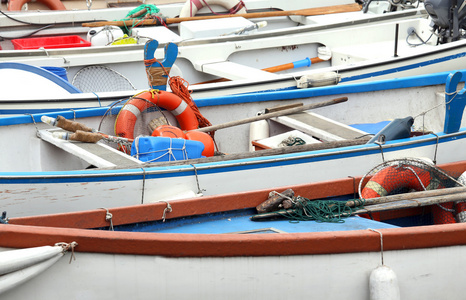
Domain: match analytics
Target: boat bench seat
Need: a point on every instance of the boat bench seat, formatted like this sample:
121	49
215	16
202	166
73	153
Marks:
234	71
318	126
98	154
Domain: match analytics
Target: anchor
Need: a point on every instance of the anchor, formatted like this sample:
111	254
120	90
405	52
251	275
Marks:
158	71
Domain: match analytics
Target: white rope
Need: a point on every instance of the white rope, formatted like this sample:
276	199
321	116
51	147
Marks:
66	247
381	243
108	218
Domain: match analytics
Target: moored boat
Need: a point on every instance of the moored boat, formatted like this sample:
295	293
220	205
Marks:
275	44
213	249
44	174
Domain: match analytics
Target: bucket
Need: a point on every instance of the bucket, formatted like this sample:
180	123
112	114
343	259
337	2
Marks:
60	72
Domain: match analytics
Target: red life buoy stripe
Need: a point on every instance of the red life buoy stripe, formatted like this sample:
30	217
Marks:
52	4
126	120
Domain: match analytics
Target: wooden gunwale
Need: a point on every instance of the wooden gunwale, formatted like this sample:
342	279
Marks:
48	230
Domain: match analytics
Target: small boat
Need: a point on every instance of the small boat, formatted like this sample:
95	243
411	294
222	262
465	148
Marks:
99	67
137	153
214	247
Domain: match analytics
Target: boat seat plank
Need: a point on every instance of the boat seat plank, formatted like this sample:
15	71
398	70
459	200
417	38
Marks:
98	154
319	126
234	71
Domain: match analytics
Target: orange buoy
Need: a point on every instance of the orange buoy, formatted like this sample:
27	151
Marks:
169	131
14	5
204	138
126	119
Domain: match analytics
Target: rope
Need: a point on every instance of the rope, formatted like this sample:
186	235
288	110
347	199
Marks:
166	209
292	141
178	86
165	152
108	218
66	247
330	211
381	243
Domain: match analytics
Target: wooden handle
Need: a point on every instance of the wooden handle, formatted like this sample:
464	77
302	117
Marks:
272	115
301	12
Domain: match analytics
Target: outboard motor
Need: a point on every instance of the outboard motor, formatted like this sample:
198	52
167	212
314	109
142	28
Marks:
448	17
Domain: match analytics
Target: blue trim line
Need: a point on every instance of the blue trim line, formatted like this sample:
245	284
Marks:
44	73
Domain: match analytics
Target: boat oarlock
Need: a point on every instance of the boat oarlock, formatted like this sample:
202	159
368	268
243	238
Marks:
191	7
14	5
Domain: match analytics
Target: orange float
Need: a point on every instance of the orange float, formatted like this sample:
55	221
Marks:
169	131
14	5
204	138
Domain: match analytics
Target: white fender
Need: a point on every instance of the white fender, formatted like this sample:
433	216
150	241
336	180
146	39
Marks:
191	7
14	260
258	130
13	279
383	284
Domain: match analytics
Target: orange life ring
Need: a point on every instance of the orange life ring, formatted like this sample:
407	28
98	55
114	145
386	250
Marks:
394	177
191	7
126	119
391	178
14	5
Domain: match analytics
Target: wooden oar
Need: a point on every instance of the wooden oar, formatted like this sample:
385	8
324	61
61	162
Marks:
301	12
409	196
272	115
409	200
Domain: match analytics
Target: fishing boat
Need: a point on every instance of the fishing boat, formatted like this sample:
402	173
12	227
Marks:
214	247
97	70
328	133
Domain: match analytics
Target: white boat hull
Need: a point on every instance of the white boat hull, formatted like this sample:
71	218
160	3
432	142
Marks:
40	178
326	276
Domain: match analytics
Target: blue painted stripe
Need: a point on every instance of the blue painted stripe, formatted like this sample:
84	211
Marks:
397	83
223	166
404	68
371	86
41	72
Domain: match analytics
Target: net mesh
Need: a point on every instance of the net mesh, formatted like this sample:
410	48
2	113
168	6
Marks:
101	79
407	175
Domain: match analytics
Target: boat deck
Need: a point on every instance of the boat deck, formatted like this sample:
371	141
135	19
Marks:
240	222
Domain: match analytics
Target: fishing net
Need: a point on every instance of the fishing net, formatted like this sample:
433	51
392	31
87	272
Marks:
389	178
94	79
407	175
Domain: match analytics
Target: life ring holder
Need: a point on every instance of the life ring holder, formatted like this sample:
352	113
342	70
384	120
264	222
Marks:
128	115
15	5
191	7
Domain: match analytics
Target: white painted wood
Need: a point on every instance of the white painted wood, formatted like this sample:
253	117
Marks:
234	71
99	160
321	127
332	277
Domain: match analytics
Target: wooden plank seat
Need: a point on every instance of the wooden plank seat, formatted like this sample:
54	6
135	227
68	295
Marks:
98	154
318	126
